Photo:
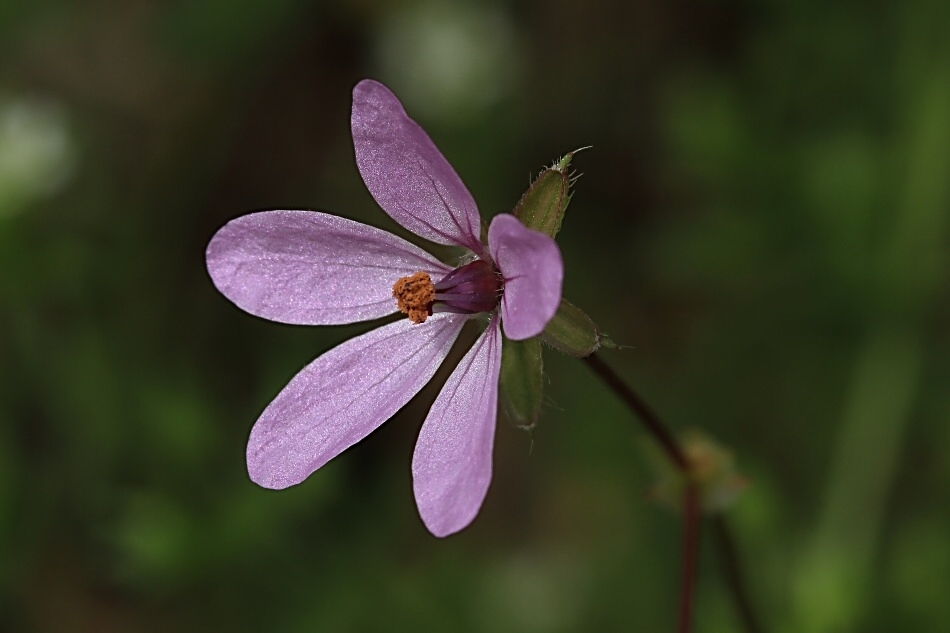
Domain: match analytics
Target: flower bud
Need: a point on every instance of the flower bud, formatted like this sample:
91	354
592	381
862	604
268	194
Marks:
573	332
543	205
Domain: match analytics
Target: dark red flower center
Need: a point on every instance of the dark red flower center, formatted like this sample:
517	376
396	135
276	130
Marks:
469	289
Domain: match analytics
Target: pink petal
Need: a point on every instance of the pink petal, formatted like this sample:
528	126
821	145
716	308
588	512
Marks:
406	173
311	268
343	396
451	466
531	265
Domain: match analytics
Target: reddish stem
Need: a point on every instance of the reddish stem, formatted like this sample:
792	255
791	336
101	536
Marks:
690	496
690	508
640	407
690	556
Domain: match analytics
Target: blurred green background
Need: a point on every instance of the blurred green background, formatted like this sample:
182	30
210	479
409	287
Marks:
762	222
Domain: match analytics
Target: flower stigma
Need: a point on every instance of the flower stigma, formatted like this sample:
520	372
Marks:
414	296
469	289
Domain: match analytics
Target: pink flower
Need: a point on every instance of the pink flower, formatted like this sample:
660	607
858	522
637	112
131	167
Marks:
311	268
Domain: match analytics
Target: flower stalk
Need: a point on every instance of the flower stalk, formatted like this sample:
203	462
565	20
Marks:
649	418
691	507
690	556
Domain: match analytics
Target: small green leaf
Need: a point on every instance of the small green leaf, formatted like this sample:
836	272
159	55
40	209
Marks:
521	369
543	205
573	332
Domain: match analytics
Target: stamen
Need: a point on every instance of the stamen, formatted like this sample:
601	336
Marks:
470	289
414	296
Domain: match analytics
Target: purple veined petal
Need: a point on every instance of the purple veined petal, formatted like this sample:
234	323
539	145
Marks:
406	173
452	462
343	396
531	265
311	268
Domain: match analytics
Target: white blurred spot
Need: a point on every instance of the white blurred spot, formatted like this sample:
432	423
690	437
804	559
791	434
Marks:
448	60
36	151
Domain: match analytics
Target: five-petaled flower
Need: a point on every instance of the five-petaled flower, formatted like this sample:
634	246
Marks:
311	268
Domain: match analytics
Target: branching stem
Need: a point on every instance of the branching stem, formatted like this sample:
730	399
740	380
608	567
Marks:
691	508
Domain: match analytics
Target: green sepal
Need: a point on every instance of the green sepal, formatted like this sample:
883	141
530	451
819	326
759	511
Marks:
573	332
543	205
521	381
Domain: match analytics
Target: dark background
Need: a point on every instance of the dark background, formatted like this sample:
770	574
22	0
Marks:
762	222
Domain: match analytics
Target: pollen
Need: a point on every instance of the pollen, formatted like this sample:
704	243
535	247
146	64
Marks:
414	296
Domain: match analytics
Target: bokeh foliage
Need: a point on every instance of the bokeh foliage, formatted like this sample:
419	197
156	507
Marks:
761	225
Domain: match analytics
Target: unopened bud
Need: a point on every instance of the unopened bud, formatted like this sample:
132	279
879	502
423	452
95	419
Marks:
543	205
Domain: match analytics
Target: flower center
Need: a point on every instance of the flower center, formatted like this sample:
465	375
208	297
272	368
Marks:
414	296
469	289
